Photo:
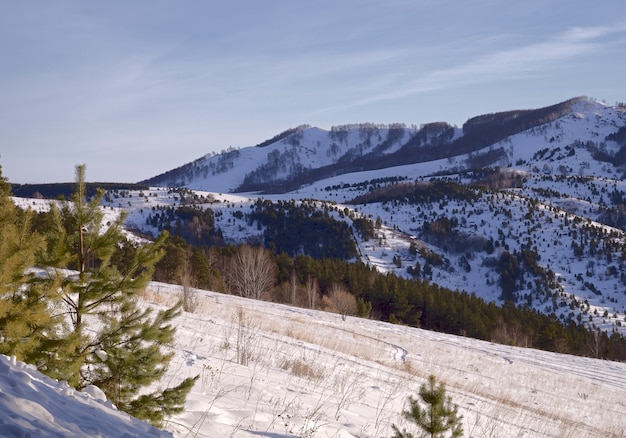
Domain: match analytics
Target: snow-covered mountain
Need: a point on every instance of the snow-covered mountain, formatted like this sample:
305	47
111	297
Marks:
304	155
543	189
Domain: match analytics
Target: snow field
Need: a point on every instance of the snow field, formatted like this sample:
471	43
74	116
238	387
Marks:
272	370
33	405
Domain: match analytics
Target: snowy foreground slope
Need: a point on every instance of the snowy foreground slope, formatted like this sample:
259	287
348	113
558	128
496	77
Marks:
276	371
272	370
33	405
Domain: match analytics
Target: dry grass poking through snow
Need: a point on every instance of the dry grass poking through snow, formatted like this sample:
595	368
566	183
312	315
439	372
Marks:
310	373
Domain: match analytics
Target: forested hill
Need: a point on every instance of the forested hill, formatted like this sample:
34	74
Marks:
524	207
304	155
523	211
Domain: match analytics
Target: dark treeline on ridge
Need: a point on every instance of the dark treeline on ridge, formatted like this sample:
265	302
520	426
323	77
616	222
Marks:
65	190
388	297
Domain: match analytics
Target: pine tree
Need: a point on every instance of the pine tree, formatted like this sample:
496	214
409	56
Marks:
120	343
26	312
438	417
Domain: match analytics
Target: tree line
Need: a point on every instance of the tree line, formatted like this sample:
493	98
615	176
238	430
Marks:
308	282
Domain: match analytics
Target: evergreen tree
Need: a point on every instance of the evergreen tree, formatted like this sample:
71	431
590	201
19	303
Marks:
121	353
26	319
438	417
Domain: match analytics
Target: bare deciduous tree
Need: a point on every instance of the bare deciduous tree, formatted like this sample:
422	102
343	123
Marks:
312	290
342	300
293	286
251	272
189	299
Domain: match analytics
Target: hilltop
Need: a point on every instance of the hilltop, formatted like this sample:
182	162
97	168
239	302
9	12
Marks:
307	373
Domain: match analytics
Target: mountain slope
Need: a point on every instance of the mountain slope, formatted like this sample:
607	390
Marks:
537	217
311	374
308	373
304	155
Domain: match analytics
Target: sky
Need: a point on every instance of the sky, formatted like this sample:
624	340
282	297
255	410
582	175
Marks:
134	89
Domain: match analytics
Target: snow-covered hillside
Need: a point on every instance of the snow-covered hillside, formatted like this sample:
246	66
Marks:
551	202
315	154
276	371
33	405
305	148
552	198
272	370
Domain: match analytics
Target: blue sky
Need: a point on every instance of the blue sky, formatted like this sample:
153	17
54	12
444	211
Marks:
136	88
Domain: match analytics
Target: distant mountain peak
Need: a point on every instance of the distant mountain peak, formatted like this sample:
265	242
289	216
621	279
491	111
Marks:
302	155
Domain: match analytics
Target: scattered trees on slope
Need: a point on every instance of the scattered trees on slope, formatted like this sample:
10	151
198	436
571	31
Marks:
302	228
195	226
420	193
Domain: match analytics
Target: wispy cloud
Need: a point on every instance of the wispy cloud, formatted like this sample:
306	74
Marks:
505	65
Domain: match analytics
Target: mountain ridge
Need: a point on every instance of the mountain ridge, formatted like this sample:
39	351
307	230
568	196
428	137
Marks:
292	158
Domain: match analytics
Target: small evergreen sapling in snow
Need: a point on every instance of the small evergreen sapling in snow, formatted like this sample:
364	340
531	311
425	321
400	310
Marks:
438	418
122	353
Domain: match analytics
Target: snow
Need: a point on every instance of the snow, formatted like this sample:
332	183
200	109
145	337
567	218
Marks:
305	148
548	230
307	373
579	185
311	373
33	405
